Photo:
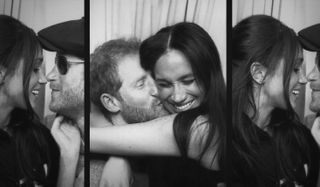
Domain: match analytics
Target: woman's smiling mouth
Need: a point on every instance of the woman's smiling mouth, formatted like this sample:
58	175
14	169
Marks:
35	92
184	106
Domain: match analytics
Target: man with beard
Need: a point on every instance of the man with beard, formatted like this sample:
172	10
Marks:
310	40
122	92
67	96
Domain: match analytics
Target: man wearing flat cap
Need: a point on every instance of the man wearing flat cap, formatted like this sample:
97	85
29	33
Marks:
67	96
310	40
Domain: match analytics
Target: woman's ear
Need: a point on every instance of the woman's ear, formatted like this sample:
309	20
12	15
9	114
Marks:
110	103
258	72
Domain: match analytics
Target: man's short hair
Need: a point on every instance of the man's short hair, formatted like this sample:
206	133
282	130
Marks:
104	76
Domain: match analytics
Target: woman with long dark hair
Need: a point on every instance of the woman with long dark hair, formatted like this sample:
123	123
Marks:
185	63
29	154
270	146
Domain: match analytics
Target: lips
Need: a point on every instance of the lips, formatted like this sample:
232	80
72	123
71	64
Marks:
35	92
296	92
314	88
184	106
54	87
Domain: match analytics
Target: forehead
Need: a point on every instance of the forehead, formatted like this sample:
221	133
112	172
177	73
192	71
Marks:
172	66
129	69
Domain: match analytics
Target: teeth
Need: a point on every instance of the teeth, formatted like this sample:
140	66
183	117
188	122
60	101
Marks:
35	92
185	106
295	92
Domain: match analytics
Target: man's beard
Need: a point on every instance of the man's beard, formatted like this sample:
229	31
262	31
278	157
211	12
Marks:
70	103
132	114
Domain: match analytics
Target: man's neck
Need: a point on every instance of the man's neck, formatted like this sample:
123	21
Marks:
118	120
97	119
79	121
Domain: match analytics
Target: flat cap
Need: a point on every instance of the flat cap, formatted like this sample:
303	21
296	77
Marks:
66	37
310	38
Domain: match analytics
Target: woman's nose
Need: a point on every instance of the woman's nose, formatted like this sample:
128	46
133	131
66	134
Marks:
303	78
178	94
42	78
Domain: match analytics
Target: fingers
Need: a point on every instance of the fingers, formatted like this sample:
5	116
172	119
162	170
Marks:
56	123
316	125
315	131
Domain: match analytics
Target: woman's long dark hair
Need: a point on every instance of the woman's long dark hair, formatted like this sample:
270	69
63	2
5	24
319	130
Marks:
265	40
200	50
19	44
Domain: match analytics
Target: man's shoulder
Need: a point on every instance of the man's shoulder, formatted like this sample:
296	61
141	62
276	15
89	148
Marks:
96	169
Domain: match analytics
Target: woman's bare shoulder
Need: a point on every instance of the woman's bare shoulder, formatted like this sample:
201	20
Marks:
201	123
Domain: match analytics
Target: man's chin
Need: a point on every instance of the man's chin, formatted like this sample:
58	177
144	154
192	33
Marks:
315	107
54	107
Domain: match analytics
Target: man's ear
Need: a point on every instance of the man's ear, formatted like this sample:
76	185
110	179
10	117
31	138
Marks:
2	74
110	103
258	72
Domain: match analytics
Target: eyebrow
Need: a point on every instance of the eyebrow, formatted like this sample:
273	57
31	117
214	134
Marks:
189	75
38	61
299	61
186	76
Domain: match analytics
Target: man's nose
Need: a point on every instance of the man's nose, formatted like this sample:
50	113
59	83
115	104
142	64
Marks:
52	75
153	87
313	75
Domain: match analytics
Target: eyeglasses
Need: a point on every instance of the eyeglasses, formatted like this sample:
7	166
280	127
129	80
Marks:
63	64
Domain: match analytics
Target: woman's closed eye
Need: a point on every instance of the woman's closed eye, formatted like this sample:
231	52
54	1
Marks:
187	81
36	69
297	69
163	84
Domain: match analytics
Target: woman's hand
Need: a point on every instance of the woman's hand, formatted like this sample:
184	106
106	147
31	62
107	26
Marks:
315	131
116	173
67	135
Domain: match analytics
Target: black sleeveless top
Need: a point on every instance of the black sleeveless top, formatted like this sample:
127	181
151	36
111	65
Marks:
10	175
305	175
175	172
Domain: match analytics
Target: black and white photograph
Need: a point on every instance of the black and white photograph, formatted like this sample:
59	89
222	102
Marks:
42	93
159	93
275	93
154	68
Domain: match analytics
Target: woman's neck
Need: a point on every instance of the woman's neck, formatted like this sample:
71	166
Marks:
263	112
5	109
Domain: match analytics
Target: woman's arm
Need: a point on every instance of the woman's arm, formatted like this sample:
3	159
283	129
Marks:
149	138
198	136
68	138
154	137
